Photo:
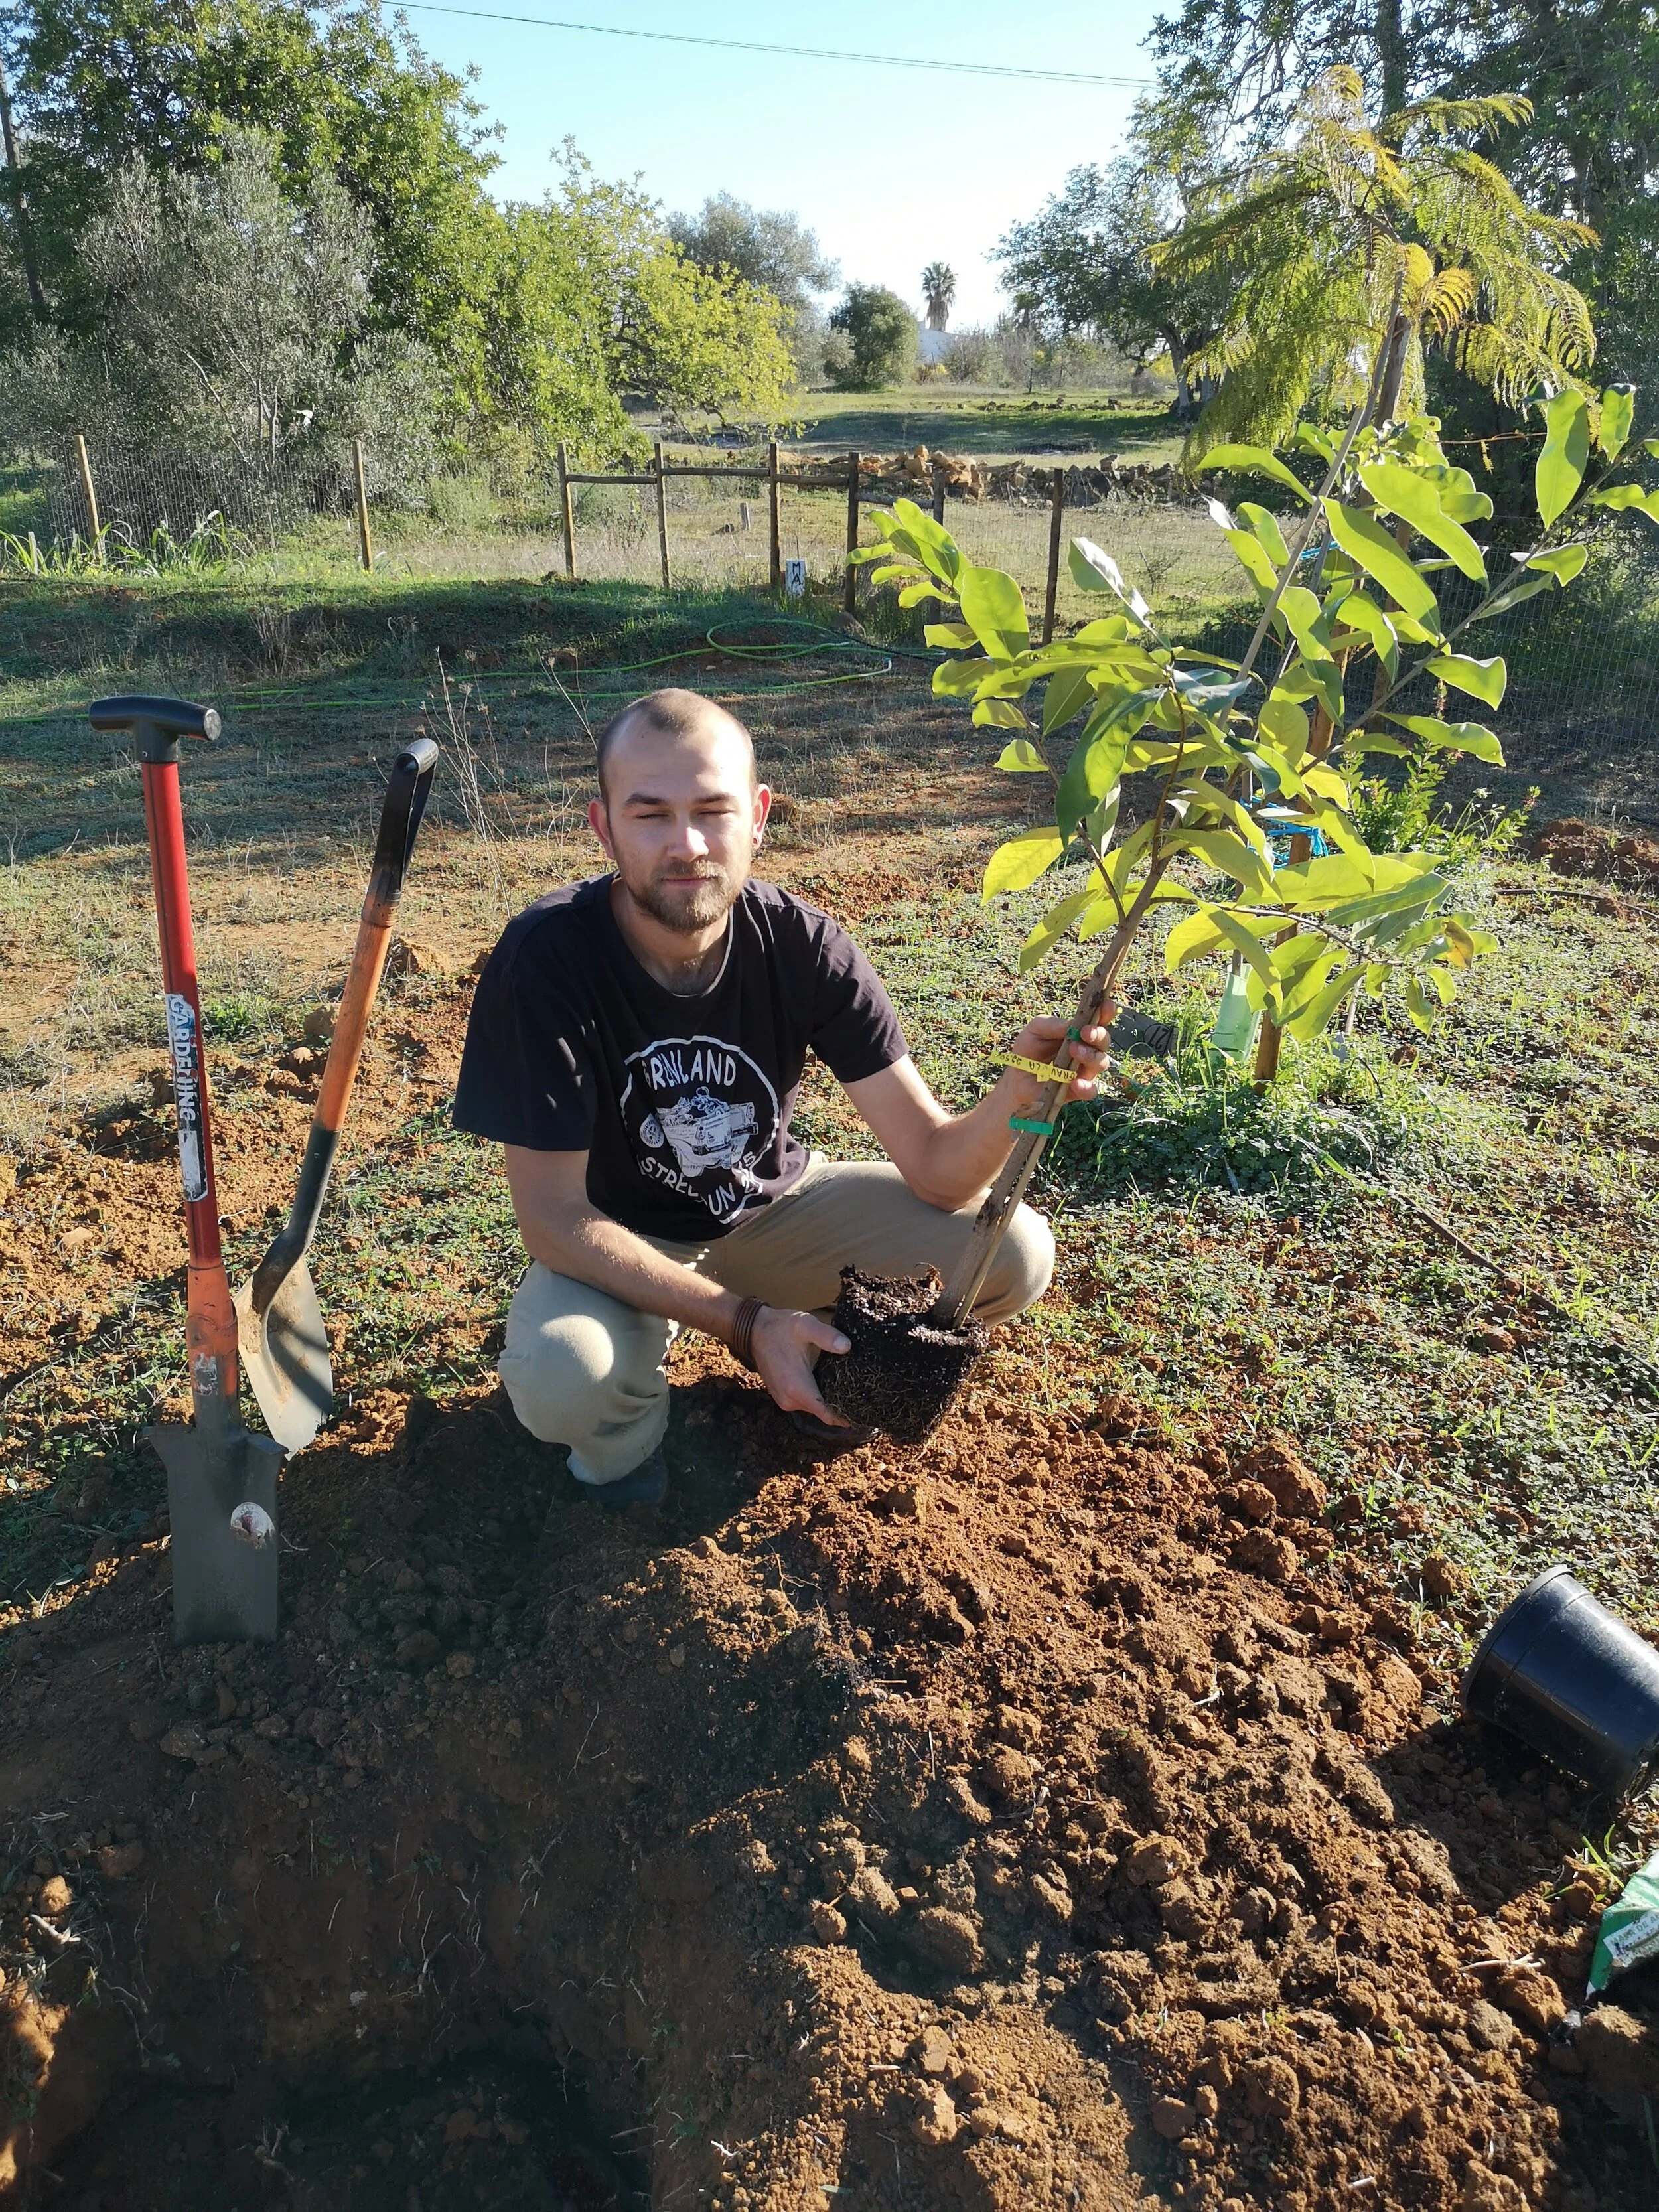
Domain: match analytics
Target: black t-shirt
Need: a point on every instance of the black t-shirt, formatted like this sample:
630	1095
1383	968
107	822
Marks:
682	1104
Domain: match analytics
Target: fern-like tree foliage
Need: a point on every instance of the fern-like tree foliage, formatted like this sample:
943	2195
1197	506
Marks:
1356	241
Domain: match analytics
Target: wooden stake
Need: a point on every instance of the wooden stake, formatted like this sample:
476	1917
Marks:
938	491
662	515
91	496
776	515
365	543
849	590
1056	531
567	512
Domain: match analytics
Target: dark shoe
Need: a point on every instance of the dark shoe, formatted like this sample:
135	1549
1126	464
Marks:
830	1442
646	1486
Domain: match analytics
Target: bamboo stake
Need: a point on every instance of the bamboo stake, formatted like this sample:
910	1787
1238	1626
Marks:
775	512
365	543
849	590
567	512
90	491
662	515
1056	531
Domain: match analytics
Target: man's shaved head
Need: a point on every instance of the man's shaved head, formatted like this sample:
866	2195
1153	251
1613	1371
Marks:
672	715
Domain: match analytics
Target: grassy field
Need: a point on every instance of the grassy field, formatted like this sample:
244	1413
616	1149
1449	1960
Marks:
1261	1260
989	426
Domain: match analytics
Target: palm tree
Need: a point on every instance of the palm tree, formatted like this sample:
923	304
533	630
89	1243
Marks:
1354	239
938	285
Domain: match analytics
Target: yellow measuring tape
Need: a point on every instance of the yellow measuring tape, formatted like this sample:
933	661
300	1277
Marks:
1044	1070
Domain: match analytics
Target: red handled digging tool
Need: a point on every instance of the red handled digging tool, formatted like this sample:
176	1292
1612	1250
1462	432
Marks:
222	1482
284	1341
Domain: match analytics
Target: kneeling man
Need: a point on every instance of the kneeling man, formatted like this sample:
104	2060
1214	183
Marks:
637	1044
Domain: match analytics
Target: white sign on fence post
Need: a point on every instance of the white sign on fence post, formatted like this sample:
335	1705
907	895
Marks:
794	580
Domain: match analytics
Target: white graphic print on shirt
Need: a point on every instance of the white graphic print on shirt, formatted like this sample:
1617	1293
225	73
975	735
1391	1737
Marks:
699	1113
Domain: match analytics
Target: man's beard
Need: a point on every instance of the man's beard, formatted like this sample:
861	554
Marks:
686	908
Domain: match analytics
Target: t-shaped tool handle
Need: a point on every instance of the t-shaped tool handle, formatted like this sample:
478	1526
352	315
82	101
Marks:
157	723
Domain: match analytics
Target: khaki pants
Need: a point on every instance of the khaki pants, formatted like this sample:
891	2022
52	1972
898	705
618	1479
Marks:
585	1370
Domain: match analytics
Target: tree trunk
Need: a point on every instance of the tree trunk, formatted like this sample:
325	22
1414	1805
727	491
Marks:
1391	56
20	201
1395	346
1183	399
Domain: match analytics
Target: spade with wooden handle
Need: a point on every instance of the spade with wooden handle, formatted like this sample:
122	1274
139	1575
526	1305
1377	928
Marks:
222	1482
284	1344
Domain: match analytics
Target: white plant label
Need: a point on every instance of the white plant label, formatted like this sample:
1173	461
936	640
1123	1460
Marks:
794	580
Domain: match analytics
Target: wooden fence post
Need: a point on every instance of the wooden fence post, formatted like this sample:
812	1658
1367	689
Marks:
365	543
567	513
1056	531
662	515
87	487
938	491
849	591
772	489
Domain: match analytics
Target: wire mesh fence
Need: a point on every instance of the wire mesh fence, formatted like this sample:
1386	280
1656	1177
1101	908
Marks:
1583	663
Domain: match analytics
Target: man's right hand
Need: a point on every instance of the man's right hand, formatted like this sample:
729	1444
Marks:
781	1347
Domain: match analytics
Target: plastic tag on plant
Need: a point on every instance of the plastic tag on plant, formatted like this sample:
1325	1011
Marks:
1234	1018
1629	1934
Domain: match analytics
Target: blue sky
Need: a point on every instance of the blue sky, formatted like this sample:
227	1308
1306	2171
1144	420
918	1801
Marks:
893	168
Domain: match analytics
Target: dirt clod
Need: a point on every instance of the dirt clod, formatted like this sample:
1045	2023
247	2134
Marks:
902	1373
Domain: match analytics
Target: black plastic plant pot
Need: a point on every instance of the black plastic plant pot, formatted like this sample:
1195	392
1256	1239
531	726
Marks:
1568	1677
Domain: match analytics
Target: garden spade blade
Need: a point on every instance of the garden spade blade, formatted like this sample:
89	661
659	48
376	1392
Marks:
284	1344
221	1483
221	1501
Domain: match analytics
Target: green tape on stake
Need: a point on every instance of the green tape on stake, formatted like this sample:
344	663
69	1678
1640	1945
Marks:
1031	1128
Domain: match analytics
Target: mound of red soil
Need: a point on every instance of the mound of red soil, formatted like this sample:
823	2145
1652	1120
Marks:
1035	1818
1571	847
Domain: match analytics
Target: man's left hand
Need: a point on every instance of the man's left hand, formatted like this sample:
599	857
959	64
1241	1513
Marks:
1042	1038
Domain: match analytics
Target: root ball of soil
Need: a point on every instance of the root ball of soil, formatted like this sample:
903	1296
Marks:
901	1372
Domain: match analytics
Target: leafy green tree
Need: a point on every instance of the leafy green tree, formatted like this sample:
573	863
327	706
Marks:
1588	68
590	297
881	337
1085	264
764	246
98	84
233	320
1350	238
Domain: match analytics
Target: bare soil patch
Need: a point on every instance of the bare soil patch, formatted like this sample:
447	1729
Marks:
1038	1817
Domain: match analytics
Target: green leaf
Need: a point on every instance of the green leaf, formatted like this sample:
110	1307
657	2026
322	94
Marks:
1093	570
1286	724
1311	886
914	531
1365	540
1231	856
1401	491
1564	562
1361	742
1016	866
1245	940
1193	937
1253	558
1561	464
1256	460
958	679
1453	737
1022	759
1417	1004
1311	1020
1094	768
914	594
1054	925
1000	714
1266	528
1618	419
1363	615
947	634
1068	689
992	608
1481	680
1622	496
